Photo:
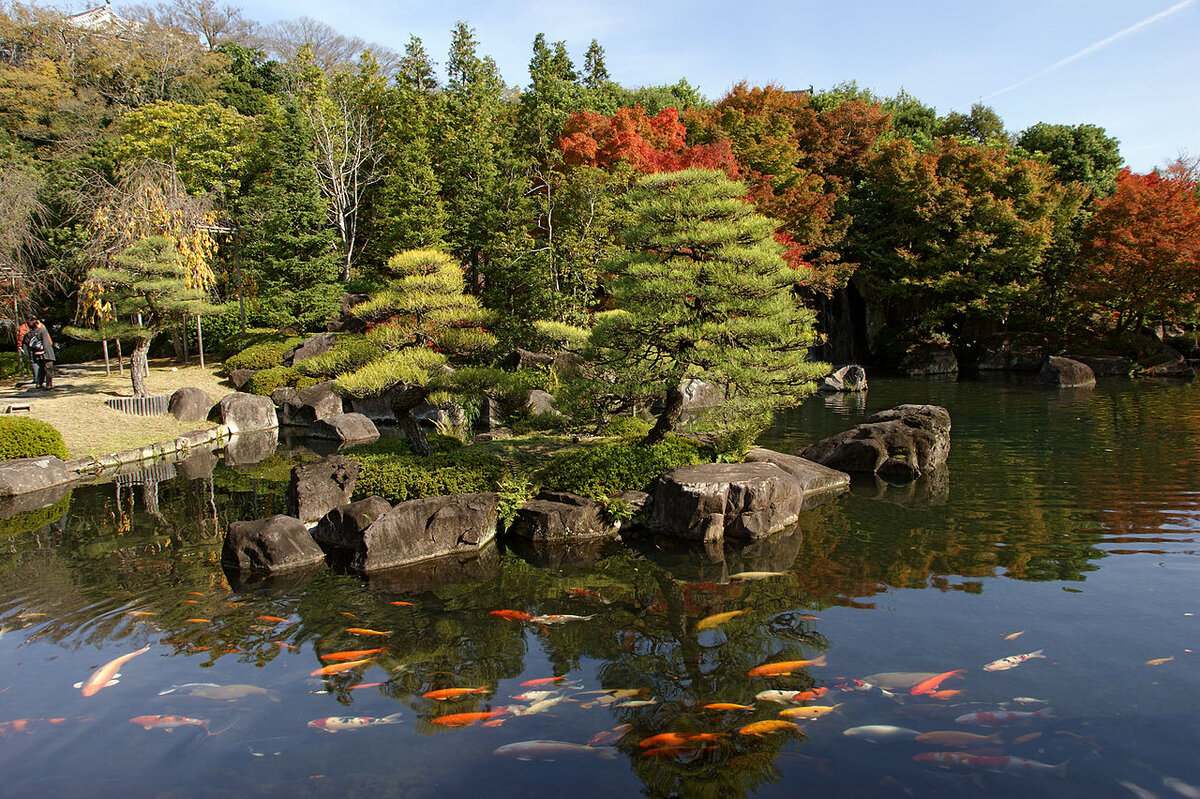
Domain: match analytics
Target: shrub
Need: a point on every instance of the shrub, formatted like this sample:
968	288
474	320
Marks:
615	466
399	477
22	437
351	352
628	427
267	380
11	366
263	355
83	351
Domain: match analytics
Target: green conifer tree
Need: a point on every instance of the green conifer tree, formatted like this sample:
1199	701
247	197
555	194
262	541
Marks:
703	292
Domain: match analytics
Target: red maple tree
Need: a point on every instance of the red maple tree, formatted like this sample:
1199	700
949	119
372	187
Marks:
647	144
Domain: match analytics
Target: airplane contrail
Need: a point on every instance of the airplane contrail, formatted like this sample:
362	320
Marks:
1091	48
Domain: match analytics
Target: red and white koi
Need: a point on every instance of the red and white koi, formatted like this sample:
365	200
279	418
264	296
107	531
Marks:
1004	664
996	718
168	723
344	723
1015	765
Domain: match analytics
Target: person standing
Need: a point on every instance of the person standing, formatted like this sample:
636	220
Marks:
22	353
41	350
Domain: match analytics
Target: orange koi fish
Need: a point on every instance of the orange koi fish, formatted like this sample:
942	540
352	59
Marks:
366	685
607	737
930	685
365	631
768	727
282	645
352	654
809	696
727	706
512	615
139	613
944	694
106	674
446	694
1159	661
347	613
467	719
168	723
338	668
198	621
785	667
195	593
190	602
679	739
543	681
9	728
273	619
402	604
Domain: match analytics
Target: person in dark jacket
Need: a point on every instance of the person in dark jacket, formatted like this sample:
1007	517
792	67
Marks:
41	352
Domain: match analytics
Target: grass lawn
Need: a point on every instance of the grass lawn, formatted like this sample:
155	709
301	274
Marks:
76	406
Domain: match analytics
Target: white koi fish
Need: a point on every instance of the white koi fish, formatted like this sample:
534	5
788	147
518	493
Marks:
1004	664
756	575
558	618
878	733
343	723
995	718
548	750
108	673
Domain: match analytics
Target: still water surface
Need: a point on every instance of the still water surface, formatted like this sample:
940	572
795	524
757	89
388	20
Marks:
1065	522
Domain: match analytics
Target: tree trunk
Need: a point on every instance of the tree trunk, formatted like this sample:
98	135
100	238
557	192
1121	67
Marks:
139	366
667	419
402	406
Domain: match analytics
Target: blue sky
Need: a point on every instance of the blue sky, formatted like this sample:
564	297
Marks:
1131	67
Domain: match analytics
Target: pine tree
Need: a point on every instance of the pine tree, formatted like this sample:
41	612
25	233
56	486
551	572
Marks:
703	292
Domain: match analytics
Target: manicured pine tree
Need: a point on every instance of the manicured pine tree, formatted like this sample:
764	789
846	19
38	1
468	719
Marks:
422	321
703	292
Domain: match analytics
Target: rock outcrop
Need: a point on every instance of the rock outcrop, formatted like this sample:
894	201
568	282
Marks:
931	361
310	348
1018	354
1167	362
344	427
26	475
245	413
343	527
317	488
238	378
189	404
276	544
420	529
302	408
1059	372
1105	365
900	443
848	378
562	516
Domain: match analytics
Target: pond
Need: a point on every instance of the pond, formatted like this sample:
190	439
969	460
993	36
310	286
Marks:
1064	525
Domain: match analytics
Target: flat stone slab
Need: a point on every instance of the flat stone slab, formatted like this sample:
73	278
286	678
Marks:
26	475
714	500
819	483
420	529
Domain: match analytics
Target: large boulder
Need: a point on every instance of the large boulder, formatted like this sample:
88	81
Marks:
302	408
562	516
26	475
189	404
318	487
930	361
343	527
819	483
1013	354
277	544
526	359
239	378
310	348
1106	365
245	413
1059	372
1167	362
344	427
848	378
900	443
697	394
420	529
541	403
714	500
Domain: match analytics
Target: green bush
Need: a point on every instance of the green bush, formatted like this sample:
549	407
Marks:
22	437
11	366
615	466
267	380
263	355
398	477
628	426
350	353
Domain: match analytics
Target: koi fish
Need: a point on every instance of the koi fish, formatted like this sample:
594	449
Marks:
768	727
107	674
779	697
454	693
1027	737
365	685
190	602
351	654
548	750
809	696
1004	664
139	613
402	604
540	706
727	706
785	667
217	693
168	723
344	723
1011	636
273	619
512	615
194	593
996	718
338	668
756	575
878	733
944	694
809	713
688	751
1019	765
1159	661
897	680
365	631
679	738
637	703
283	645
717	619
959	740
610	736
930	685
543	681
197	621
467	719
587	593
559	618
9	728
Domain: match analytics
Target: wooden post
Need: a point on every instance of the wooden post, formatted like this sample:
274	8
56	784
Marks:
200	340
107	368
120	358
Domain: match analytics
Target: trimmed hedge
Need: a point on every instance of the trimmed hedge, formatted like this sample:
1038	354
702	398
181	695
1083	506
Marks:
265	355
396	476
615	466
22	437
12	366
267	380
